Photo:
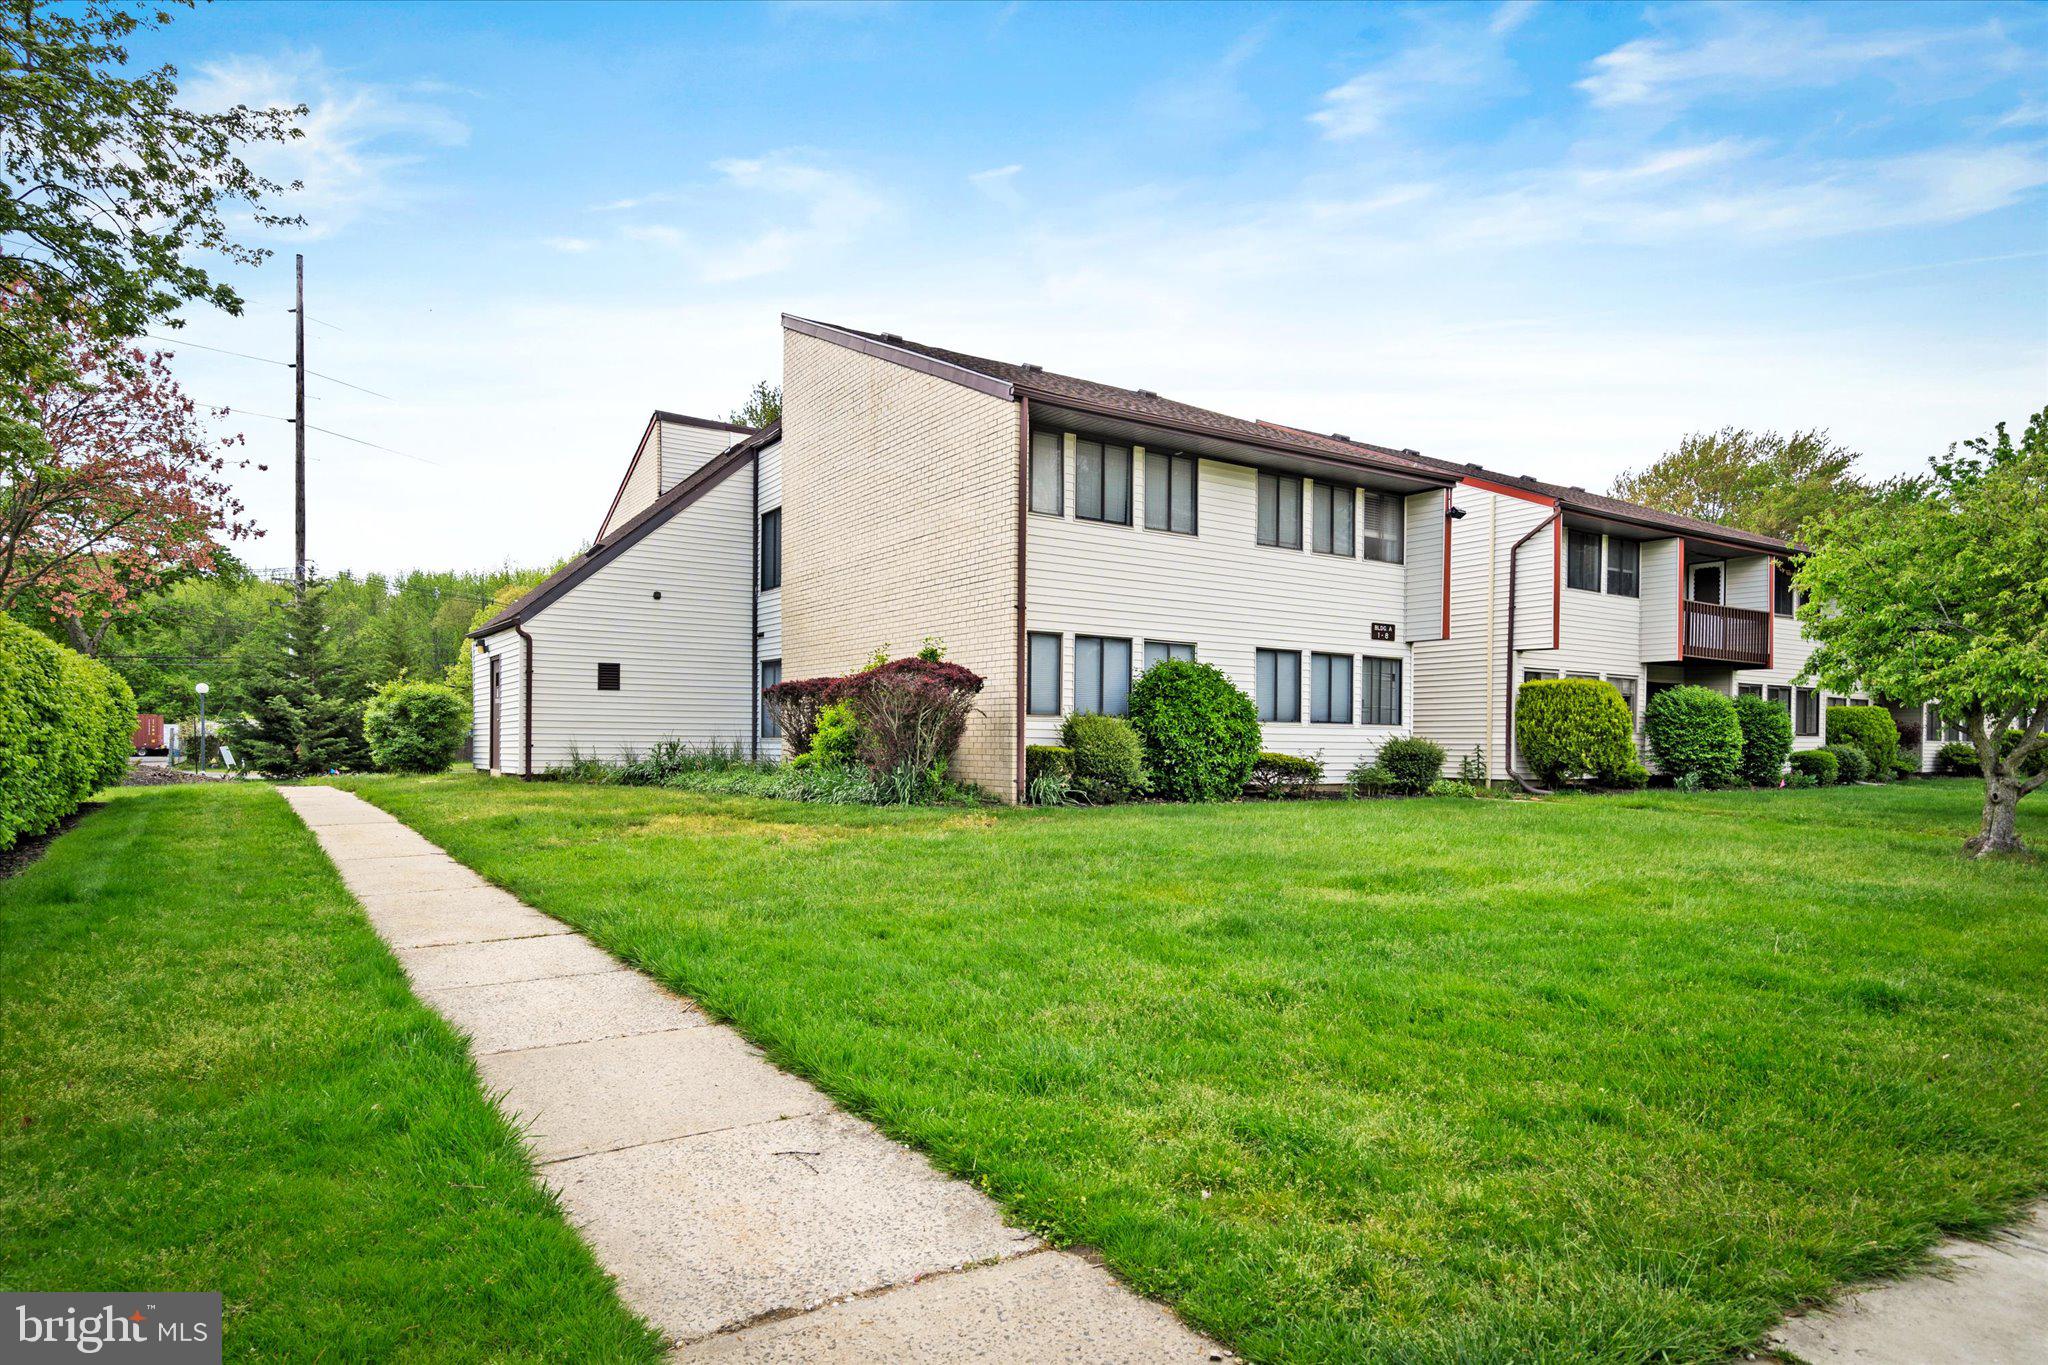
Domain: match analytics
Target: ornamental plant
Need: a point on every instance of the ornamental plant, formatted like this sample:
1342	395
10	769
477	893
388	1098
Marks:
836	741
67	728
794	703
414	727
1693	732
1199	730
1109	762
1279	776
1818	764
1871	729
1766	740
1851	763
1410	764
1572	729
909	715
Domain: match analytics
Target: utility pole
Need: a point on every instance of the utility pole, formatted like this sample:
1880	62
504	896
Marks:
299	437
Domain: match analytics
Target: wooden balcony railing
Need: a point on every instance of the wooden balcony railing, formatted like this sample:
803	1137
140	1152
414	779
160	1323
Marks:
1733	635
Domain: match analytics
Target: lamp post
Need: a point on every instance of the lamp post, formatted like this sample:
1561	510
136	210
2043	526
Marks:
201	689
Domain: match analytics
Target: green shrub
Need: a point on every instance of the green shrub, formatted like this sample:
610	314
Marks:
1818	764
1412	763
1871	729
1766	740
1633	777
1851	763
414	727
1450	786
1693	732
1959	757
1368	778
1282	775
1795	778
1571	729
1199	729
835	739
1109	763
67	729
1043	760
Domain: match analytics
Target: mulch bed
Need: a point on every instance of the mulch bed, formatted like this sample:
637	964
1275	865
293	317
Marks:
31	847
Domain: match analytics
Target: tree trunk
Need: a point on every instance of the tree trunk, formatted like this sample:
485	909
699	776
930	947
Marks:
2000	833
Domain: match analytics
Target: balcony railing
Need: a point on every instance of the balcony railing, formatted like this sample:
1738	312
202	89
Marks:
1733	635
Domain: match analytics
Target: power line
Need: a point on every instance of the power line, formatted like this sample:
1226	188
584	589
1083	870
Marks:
266	360
236	411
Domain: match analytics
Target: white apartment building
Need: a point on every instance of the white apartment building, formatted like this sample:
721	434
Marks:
1060	534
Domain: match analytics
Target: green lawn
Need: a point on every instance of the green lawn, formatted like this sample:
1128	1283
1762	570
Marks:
212	1077
1615	1079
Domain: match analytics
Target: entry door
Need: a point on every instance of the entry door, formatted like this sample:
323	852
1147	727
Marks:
1706	584
494	713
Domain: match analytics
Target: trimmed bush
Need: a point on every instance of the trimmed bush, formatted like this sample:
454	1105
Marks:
1871	729
1368	778
835	739
1572	729
1282	775
1693	732
1199	729
795	704
1766	740
1412	763
1048	760
67	728
1633	777
909	715
1851	763
1818	764
1798	779
1109	762
414	727
1451	786
1959	757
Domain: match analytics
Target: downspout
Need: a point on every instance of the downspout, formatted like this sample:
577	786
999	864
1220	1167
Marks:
526	710
754	622
1023	513
1514	571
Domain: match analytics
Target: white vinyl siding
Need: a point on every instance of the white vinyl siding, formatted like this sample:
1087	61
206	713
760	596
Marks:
641	485
768	605
686	449
1425	561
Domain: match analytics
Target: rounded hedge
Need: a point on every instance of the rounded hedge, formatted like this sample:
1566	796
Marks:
1693	732
1199	730
1283	775
414	727
1820	765
1411	764
67	729
1109	763
1851	763
1871	729
1766	740
1572	729
1958	757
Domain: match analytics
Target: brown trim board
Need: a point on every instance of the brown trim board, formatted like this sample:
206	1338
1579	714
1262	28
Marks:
898	355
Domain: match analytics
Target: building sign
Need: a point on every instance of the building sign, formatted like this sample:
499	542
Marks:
1382	630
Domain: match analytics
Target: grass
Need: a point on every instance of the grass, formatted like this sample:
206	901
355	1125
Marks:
212	1077
1601	1079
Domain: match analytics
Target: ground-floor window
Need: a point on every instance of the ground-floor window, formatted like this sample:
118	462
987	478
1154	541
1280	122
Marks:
1625	683
1382	700
1329	689
1043	694
1806	718
771	674
1750	690
1159	651
1279	684
1102	675
1538	674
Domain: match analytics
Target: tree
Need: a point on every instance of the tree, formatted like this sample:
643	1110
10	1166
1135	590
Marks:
121	489
763	406
112	195
1937	592
1753	481
298	701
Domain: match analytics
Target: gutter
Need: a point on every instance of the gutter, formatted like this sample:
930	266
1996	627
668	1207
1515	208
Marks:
754	633
1514	572
526	709
1023	516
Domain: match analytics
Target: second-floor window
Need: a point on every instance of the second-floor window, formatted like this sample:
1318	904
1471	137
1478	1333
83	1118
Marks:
1049	473
1582	560
1278	684
1102	482
1280	511
1169	492
1102	675
1382	527
1333	513
1781	590
1624	567
771	549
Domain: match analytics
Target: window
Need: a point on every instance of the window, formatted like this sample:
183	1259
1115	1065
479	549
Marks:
1049	473
1750	690
607	677
1044	695
1329	689
1807	719
1170	493
771	549
771	674
1781	589
1780	696
1706	584
1279	680
1582	560
1624	567
1102	482
1280	511
1625	683
1383	528
1159	651
1102	675
1584	677
1333	514
1537	674
1382	688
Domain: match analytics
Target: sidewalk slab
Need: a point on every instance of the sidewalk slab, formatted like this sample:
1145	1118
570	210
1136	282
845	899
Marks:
1984	1303
494	962
426	924
406	876
560	1009
679	1083
371	840
708	1232
1050	1308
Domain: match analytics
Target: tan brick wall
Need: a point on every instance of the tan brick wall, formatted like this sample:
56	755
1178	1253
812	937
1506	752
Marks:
900	521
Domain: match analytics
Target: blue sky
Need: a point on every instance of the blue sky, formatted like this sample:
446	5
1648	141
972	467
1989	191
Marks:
1547	238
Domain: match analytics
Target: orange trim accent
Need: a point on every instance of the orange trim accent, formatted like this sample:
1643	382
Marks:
1501	488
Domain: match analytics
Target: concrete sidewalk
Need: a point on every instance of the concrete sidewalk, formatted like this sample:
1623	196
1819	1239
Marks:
741	1213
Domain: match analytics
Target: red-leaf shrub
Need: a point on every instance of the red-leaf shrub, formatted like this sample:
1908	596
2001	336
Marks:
910	713
795	704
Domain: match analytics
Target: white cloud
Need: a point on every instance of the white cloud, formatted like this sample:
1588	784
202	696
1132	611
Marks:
360	143
999	184
574	246
1449	57
795	210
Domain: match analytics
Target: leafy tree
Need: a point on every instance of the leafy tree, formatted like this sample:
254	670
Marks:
1937	592
112	194
762	408
298	699
1754	481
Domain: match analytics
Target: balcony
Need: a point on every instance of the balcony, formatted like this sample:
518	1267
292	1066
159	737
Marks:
1734	635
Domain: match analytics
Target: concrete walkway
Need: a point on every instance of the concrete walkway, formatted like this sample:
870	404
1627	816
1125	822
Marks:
1983	1303
741	1213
